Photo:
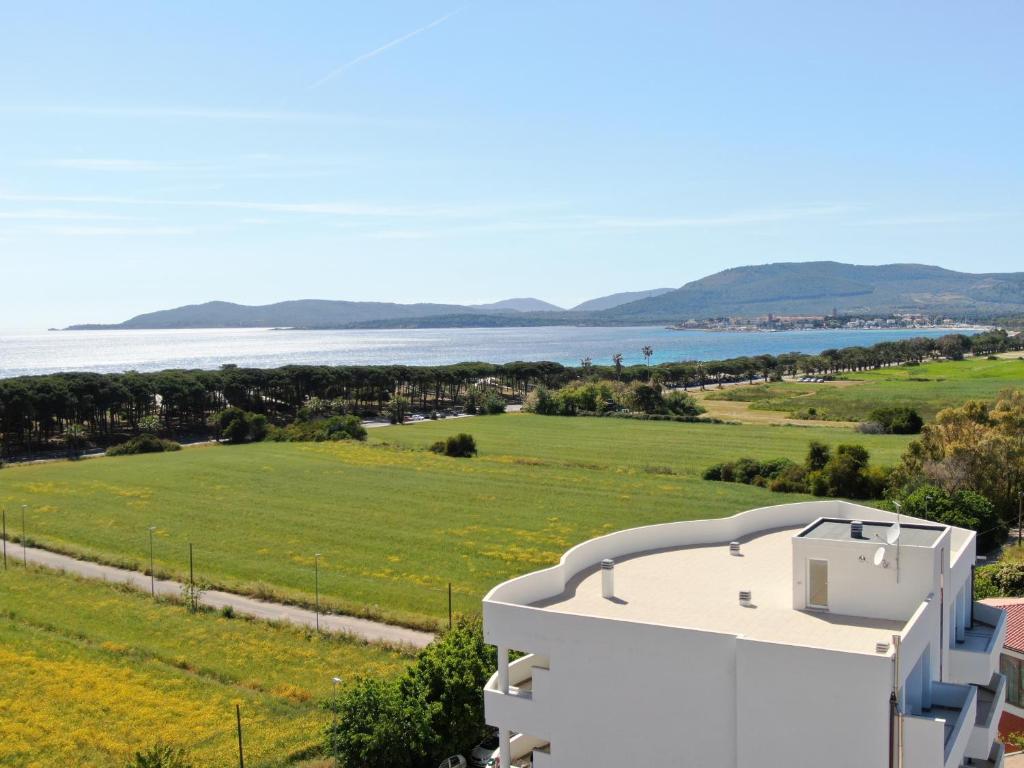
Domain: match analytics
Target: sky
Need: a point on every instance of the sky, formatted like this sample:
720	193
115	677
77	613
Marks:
155	154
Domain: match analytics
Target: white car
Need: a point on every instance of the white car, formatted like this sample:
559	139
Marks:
485	753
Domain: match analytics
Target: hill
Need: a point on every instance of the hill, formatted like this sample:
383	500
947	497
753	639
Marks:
804	288
615	299
819	286
307	313
519	305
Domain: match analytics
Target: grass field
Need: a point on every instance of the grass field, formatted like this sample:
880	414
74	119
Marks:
90	672
395	525
928	388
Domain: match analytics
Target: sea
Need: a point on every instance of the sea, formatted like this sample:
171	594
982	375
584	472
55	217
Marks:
37	352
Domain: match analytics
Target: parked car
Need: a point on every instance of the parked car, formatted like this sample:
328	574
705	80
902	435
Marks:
455	761
483	754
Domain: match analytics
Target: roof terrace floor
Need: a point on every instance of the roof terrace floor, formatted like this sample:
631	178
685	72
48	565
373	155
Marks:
697	587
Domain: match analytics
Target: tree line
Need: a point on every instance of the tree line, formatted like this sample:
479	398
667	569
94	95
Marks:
43	413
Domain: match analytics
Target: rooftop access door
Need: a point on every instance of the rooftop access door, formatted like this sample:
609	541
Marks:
817	583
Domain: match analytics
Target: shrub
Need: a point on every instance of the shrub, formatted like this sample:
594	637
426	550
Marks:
871	428
898	420
319	430
237	426
160	756
965	509
682	404
458	446
143	444
540	401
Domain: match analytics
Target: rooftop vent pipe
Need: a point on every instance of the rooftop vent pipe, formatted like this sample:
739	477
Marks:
608	579
734	548
745	597
856	529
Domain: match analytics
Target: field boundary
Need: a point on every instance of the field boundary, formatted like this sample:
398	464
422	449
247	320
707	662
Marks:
364	629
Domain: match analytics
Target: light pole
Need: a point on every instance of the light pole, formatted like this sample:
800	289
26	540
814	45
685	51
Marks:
1020	514
335	682
152	573
316	577
24	538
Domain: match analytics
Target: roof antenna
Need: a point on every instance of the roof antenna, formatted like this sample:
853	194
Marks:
893	537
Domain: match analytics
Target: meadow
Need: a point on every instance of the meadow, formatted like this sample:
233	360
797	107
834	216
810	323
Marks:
928	388
91	672
395	524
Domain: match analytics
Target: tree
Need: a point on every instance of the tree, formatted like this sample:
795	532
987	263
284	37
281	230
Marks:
379	724
978	446
648	352
818	455
398	408
617	362
450	674
233	424
845	474
964	509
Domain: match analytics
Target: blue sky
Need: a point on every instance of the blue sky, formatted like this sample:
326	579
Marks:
154	154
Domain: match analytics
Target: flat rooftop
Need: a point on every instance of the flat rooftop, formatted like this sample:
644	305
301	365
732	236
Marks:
911	534
698	587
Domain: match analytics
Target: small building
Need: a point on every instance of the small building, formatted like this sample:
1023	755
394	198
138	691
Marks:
1011	664
796	636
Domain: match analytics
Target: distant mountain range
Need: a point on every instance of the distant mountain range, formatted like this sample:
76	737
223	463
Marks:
804	288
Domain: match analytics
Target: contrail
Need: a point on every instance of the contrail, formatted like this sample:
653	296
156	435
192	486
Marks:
377	51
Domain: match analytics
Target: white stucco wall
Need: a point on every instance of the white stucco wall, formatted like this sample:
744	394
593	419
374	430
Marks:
606	677
801	707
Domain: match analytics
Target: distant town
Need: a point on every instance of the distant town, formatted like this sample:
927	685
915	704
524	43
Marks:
772	322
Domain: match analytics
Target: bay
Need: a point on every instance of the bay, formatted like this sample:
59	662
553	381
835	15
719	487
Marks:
38	352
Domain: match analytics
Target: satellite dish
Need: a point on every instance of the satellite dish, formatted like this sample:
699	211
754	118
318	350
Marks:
893	535
879	555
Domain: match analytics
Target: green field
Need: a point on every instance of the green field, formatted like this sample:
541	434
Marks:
395	525
928	388
90	672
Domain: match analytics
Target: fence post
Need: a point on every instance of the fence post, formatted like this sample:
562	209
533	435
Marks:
238	718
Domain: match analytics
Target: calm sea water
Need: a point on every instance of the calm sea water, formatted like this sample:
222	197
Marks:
24	353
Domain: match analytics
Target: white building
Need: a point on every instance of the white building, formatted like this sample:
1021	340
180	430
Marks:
833	660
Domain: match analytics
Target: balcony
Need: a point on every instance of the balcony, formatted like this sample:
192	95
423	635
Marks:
525	708
976	658
938	735
994	759
986	720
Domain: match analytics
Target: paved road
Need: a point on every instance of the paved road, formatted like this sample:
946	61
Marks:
248	606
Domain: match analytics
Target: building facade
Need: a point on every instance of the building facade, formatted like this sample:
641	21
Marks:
795	636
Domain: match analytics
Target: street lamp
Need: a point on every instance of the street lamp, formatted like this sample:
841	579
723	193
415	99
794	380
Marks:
336	681
152	573
316	570
1020	513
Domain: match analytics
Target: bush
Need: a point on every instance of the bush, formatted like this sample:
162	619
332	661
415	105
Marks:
237	426
540	401
160	756
682	404
319	430
898	420
461	446
143	444
871	428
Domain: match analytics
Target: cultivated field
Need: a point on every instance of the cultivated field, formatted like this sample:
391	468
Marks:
395	524
90	672
928	387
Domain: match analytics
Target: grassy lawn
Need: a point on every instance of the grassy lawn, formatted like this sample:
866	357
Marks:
929	388
91	672
395	525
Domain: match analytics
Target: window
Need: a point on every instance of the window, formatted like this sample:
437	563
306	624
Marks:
1012	668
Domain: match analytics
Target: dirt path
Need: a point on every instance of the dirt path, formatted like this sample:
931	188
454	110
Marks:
365	629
